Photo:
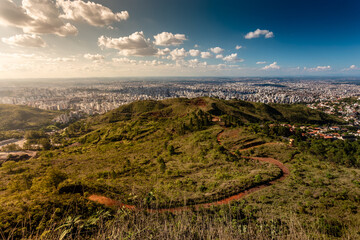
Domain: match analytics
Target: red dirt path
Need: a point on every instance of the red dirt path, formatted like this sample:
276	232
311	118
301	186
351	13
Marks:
285	172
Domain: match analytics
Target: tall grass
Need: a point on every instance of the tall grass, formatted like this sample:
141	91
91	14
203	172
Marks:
226	222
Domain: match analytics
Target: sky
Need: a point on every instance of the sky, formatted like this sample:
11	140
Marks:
119	38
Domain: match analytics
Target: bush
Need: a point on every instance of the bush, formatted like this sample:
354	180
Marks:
50	181
331	227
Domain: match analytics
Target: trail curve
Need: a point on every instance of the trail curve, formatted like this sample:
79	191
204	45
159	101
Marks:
284	173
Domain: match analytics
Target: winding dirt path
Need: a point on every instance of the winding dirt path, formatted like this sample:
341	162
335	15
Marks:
285	172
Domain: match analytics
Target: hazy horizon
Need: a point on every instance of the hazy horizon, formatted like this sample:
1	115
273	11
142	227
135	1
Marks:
174	78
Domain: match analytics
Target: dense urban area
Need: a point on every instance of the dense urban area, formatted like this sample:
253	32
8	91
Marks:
92	96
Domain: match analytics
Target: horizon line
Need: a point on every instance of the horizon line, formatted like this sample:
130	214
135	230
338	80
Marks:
199	77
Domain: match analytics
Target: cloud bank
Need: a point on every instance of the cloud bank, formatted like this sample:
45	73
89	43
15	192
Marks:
92	13
46	16
25	40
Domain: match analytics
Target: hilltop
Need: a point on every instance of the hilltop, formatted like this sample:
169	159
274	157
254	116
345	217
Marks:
244	112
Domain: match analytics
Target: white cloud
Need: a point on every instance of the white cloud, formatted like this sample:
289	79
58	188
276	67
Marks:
177	54
94	57
206	55
352	67
217	50
196	46
195	63
133	45
233	58
169	39
257	33
261	62
163	52
25	40
194	52
219	56
35	16
271	66
92	13
238	47
124	60
318	68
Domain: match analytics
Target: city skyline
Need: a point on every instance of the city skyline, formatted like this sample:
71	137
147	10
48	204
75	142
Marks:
52	39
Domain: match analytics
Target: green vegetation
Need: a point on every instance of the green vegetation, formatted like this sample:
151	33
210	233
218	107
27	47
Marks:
14	117
161	154
11	134
20	121
296	113
339	152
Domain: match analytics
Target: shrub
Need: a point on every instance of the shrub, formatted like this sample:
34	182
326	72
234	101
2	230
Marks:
330	226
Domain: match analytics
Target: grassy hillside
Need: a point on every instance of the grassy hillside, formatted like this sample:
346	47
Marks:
244	112
22	117
159	154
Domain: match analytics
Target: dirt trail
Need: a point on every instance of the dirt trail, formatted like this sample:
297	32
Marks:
285	172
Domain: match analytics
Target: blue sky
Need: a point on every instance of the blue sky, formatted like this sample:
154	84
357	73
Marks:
52	38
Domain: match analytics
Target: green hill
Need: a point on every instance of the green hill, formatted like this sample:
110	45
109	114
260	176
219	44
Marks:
175	153
14	117
245	112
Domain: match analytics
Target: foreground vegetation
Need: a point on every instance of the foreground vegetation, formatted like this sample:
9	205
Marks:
165	154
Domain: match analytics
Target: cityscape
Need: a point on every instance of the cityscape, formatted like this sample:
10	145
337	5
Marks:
80	97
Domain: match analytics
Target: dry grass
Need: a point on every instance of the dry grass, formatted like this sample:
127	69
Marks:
225	223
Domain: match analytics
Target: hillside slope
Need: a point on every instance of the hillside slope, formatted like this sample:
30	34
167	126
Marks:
166	154
22	117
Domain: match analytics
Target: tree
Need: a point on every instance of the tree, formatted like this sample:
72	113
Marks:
45	143
34	135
